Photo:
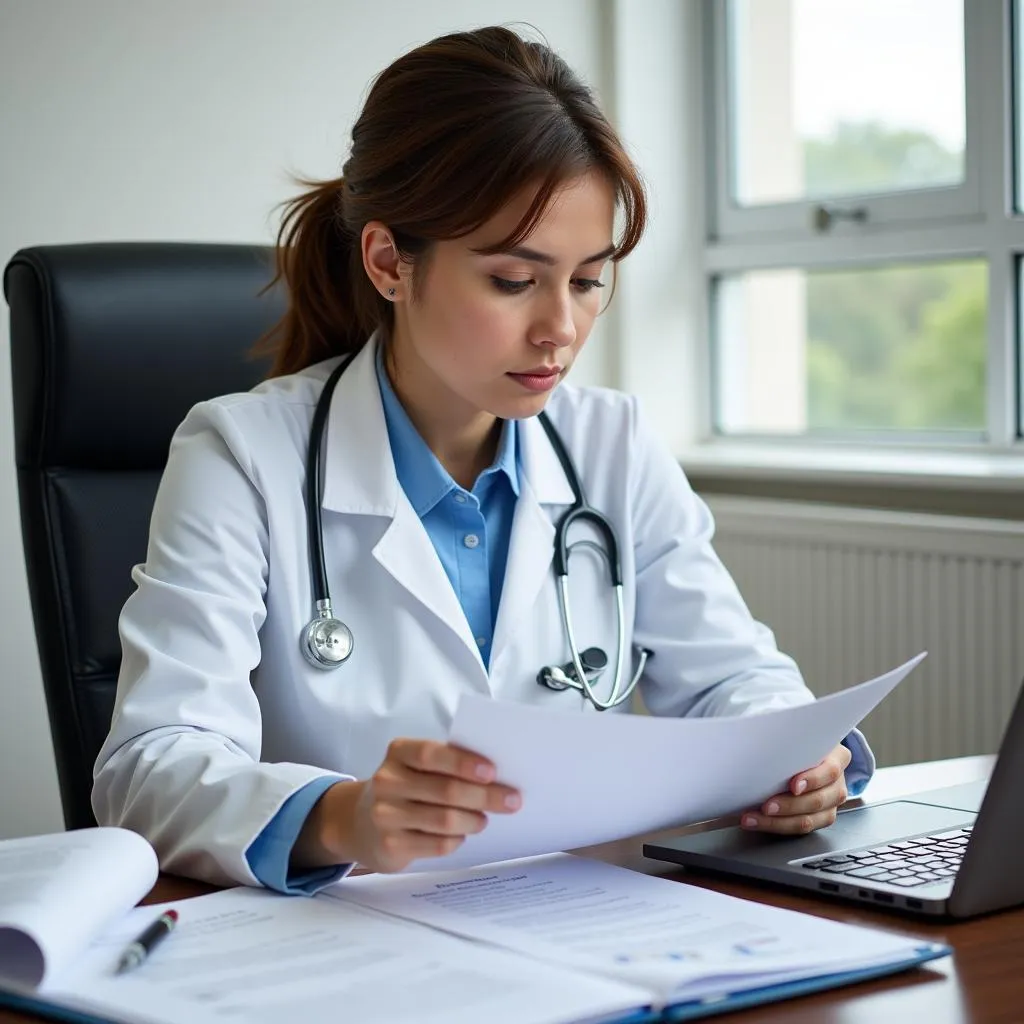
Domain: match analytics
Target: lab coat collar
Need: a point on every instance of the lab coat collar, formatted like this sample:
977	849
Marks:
359	468
425	481
540	464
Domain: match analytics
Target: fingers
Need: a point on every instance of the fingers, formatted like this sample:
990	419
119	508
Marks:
829	771
428	819
442	759
798	815
791	825
438	773
449	792
424	800
396	850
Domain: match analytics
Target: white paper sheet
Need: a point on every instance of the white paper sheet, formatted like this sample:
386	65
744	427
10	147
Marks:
255	956
593	778
683	942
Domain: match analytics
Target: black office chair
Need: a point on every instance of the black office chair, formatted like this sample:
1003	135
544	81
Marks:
111	344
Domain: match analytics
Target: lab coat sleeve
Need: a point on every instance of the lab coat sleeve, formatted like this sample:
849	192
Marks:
181	765
711	657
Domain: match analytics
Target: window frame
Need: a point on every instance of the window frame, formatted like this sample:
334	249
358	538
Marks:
976	219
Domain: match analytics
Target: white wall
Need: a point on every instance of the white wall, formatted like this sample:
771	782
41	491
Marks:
140	119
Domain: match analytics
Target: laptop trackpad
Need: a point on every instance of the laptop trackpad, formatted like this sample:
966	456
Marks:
967	796
886	823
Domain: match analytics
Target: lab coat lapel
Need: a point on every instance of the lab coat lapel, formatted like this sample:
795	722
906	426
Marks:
360	479
408	554
542	488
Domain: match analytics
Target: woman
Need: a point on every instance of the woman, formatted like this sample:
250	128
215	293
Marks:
461	258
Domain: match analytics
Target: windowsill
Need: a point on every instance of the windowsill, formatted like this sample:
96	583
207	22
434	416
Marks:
728	460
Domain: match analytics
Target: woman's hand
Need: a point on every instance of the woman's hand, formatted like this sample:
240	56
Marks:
811	802
422	801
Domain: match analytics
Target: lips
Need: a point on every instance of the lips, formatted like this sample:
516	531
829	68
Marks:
540	378
540	371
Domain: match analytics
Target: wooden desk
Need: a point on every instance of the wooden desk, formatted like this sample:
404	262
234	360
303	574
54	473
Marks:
982	982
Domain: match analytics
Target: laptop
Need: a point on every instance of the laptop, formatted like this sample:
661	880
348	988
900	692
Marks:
952	852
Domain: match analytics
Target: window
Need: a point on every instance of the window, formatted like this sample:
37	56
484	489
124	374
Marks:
889	348
864	249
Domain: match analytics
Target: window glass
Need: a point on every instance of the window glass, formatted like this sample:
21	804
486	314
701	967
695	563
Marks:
878	349
844	97
1018	99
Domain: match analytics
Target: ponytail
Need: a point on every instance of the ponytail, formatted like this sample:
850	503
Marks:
318	260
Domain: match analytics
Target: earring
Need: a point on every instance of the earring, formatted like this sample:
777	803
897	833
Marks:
391	293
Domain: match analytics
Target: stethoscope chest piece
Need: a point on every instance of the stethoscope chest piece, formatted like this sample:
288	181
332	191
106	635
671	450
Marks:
326	641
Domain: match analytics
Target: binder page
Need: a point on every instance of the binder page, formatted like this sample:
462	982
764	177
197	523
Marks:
588	778
255	956
679	940
59	891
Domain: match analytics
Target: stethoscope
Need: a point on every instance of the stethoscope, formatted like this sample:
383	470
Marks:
326	642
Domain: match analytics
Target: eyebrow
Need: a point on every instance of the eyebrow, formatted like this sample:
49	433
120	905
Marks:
523	252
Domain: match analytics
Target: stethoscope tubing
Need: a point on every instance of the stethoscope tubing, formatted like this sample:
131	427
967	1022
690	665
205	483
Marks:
580	510
314	489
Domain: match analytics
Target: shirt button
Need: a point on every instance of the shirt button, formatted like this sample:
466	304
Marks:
460	498
481	641
471	540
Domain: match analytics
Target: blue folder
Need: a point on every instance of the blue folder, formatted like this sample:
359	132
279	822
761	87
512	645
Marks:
787	990
42	1008
691	1010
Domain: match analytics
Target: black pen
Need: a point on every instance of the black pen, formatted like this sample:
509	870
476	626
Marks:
147	941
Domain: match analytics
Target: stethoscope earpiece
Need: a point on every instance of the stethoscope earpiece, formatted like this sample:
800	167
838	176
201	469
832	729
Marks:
563	677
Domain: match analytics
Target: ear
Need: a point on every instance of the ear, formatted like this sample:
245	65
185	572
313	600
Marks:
380	259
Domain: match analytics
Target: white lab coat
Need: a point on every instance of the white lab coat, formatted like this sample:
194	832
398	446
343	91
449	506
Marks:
219	718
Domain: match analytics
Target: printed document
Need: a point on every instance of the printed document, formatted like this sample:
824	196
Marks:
682	942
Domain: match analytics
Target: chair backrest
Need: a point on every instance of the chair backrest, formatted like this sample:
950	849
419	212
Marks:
111	345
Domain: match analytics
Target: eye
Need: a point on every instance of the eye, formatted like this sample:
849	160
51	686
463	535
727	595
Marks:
586	284
503	284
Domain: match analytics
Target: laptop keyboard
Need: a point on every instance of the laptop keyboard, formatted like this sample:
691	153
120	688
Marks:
906	863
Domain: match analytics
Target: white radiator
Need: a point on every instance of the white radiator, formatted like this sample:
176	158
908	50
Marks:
852	592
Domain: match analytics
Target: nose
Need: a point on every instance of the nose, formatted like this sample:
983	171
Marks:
555	324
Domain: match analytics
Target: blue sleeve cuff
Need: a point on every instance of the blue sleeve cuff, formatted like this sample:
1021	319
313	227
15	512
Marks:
862	766
269	853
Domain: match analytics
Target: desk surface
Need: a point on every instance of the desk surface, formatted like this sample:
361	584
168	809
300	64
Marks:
982	982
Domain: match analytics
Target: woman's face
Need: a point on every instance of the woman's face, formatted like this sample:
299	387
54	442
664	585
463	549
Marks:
495	334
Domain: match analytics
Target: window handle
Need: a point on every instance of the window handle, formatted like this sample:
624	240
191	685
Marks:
823	217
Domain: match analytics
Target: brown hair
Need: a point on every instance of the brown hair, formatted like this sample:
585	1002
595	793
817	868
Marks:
449	133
